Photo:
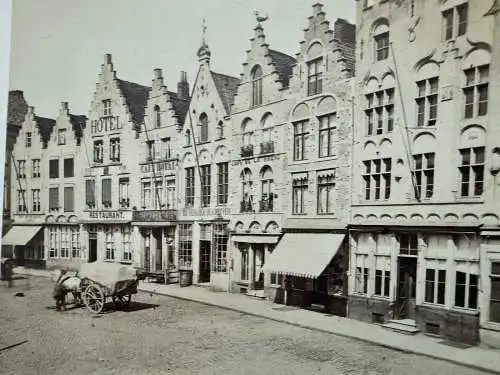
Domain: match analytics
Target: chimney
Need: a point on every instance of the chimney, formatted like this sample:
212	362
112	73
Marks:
64	106
157	73
183	86
107	58
344	31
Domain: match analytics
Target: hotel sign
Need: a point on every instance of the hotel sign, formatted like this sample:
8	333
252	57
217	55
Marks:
107	216
159	167
223	211
154	215
105	124
255	160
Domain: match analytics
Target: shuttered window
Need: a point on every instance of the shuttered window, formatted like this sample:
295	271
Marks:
90	193
69	201
53	198
106	192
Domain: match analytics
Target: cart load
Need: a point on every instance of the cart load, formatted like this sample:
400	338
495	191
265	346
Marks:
103	280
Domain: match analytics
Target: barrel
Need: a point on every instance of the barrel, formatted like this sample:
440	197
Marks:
185	278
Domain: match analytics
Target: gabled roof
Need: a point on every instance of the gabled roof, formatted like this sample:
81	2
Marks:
17	109
284	65
136	97
45	126
181	106
226	87
78	124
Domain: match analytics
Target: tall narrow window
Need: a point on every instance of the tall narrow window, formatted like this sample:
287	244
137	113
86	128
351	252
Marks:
185	246
110	245
362	274
69	199
222	182
69	167
21	168
435	286
190	186
205	185
455	21
106	108
220	130
424	174
300	134
472	172
171	197
327	128
157	116
427	102
246	204
379	112
203	131
187	138
65	241
114	149
256	77
299	192
267	195
466	290
315	77
476	91
90	193
166	148
35	168
377	178
382	46
35	199
27	139
408	244
75	241
326	192
495	293
106	193
382	275
158	194
98	151
146	194
123	192
245	263
54	168
220	241
61	137
126	243
53	199
150	145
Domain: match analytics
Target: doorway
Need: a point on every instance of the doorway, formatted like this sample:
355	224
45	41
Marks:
92	248
407	287
157	234
205	250
258	263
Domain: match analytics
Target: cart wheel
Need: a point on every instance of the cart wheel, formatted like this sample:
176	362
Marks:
94	299
121	302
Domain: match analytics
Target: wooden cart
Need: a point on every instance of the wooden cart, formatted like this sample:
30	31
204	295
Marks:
100	281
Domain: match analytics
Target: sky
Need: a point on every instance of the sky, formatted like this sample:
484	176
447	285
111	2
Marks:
58	46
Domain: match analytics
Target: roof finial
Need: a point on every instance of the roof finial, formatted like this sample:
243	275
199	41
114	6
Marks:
204	31
260	18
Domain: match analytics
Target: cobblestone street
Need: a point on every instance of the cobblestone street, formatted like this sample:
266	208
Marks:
161	335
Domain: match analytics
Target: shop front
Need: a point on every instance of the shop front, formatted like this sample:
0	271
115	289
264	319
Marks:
26	244
308	270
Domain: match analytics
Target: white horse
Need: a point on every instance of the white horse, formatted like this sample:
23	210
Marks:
65	285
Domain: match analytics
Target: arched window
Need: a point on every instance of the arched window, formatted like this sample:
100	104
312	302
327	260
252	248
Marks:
247	137
381	40
315	69
256	78
267	145
220	130
157	116
203	136
246	191
266	180
187	138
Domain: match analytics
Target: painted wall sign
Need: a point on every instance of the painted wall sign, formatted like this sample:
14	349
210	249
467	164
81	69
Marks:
120	215
154	215
159	167
206	211
256	159
105	124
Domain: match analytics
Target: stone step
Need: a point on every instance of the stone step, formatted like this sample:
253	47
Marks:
256	293
404	326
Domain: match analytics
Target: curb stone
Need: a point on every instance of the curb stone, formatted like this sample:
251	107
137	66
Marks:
362	339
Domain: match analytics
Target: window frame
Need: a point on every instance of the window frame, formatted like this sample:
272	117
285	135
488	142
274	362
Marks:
315	72
424	173
472	175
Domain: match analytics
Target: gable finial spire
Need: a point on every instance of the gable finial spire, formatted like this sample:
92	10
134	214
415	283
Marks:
260	18
204	31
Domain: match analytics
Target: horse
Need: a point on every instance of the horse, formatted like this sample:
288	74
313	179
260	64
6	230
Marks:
65	285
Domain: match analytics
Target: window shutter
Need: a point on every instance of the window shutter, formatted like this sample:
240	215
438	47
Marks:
69	205
106	191
53	198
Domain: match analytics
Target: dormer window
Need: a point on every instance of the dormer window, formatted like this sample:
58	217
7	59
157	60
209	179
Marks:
157	116
106	107
315	77
28	139
256	78
61	137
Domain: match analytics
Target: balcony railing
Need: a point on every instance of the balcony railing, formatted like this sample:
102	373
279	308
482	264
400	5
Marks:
266	205
267	147
246	206
154	215
246	151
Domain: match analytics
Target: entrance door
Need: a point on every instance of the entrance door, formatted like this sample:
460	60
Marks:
258	263
205	250
92	249
407	286
158	254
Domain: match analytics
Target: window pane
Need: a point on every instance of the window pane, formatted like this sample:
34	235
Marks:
378	282
495	288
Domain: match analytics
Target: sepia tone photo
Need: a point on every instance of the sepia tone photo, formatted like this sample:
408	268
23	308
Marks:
265	187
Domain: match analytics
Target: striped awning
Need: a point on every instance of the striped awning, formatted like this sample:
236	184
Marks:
303	254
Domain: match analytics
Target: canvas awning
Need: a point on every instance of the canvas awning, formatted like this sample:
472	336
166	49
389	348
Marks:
304	254
20	234
255	239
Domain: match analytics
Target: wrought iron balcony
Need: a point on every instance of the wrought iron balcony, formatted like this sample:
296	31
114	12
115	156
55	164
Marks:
154	215
246	206
247	151
266	205
267	147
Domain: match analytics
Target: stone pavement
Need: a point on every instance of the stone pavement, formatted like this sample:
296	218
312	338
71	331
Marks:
474	357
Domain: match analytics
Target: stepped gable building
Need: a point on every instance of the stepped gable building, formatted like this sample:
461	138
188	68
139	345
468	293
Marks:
110	168
16	112
29	174
318	169
154	217
423	174
61	189
206	152
258	194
